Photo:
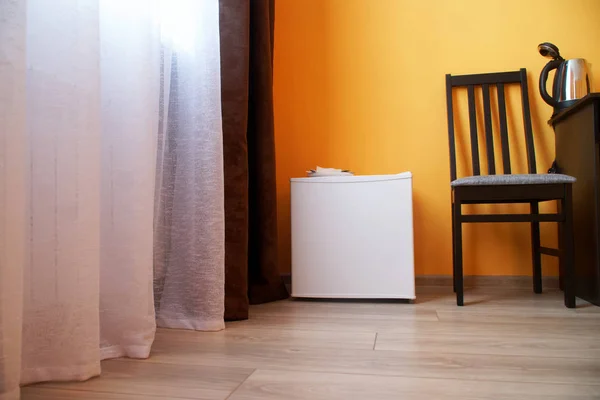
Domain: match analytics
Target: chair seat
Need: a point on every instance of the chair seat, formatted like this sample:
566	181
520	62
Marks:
515	179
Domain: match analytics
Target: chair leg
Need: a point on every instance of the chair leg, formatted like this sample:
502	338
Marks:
561	245
453	252
535	250
457	247
568	255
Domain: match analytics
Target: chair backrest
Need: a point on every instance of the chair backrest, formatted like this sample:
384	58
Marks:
499	79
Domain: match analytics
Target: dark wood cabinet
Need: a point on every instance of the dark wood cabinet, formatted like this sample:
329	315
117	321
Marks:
577	132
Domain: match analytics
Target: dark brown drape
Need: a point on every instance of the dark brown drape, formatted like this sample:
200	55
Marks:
251	270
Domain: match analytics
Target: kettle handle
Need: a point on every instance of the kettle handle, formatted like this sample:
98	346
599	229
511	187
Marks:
544	78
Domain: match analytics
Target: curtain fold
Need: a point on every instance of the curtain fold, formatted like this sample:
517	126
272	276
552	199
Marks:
13	172
189	222
251	270
265	283
61	275
129	92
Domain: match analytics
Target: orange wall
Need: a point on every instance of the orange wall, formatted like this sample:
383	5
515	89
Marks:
359	84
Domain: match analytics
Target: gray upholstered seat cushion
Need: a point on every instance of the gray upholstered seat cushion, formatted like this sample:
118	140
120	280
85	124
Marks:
516	179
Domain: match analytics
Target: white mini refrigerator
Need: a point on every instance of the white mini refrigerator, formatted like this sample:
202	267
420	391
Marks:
352	237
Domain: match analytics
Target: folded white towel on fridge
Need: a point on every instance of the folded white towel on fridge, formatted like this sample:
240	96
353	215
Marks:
320	171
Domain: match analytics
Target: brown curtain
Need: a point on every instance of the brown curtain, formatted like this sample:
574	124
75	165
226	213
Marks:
251	271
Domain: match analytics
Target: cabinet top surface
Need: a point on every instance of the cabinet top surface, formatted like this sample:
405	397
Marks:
592	97
353	178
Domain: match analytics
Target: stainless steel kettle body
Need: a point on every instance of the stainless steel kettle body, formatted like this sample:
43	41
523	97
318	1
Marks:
572	79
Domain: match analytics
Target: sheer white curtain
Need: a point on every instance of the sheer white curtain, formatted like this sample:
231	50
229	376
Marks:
130	57
190	218
79	122
60	292
12	191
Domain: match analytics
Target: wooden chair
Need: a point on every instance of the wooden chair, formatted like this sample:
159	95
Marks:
493	188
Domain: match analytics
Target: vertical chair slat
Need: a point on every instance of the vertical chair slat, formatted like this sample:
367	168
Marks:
527	121
503	129
473	127
450	127
489	137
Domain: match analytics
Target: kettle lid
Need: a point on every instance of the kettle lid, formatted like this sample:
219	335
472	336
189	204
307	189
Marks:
549	50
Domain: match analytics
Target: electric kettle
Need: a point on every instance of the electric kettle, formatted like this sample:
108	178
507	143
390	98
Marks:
571	79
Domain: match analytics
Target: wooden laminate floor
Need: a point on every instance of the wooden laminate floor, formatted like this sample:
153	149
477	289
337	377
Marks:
504	344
